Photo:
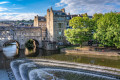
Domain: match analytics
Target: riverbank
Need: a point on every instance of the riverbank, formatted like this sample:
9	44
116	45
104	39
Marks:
91	51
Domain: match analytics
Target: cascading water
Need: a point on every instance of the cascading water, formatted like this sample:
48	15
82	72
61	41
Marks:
61	74
38	69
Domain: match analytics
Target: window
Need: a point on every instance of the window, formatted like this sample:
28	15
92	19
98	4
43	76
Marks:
68	18
63	13
60	18
55	13
60	38
59	25
67	24
60	32
58	13
42	19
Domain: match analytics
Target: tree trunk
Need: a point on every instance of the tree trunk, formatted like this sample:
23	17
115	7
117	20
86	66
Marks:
81	45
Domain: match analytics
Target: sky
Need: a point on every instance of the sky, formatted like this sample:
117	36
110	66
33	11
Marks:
27	9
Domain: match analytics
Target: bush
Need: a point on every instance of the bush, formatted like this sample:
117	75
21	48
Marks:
29	44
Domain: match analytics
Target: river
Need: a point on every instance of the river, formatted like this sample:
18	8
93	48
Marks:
11	51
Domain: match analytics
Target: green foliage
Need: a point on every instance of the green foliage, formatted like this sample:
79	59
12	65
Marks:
29	44
108	30
95	18
84	15
80	32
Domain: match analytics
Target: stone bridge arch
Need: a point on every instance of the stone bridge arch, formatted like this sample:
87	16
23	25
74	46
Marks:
21	35
37	42
10	41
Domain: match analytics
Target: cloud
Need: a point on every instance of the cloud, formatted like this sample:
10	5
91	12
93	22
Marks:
3	9
17	16
17	8
89	6
9	9
4	2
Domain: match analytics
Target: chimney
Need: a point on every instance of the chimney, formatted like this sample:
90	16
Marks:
51	9
68	13
63	10
86	14
36	16
79	15
48	10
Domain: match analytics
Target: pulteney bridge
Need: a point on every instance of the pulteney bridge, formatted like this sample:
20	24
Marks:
20	35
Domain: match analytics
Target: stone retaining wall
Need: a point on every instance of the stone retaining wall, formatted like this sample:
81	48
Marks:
83	51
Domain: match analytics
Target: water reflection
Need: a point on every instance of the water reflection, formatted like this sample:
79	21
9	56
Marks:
32	52
10	50
36	52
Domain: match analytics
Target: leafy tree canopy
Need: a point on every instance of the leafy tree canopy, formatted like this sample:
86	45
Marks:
108	30
79	33
95	18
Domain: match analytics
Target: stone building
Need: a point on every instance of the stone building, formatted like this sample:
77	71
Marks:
57	22
40	21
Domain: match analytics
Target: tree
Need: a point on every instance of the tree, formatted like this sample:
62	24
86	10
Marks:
95	18
84	15
108	31
80	31
29	44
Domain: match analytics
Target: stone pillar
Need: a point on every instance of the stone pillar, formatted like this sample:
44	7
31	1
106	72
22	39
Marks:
1	48
40	44
22	46
63	10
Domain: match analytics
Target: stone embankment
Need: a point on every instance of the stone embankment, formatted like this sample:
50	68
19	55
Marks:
91	51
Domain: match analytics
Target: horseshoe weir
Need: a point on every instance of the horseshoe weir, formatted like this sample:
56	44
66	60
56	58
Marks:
40	69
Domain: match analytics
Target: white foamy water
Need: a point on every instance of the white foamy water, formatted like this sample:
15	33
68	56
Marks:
44	72
28	70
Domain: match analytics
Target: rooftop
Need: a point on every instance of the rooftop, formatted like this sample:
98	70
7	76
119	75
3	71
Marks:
41	18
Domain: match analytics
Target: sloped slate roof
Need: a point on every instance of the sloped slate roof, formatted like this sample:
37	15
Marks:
58	11
40	18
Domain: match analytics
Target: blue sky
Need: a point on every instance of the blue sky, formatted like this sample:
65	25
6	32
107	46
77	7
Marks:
27	9
35	6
